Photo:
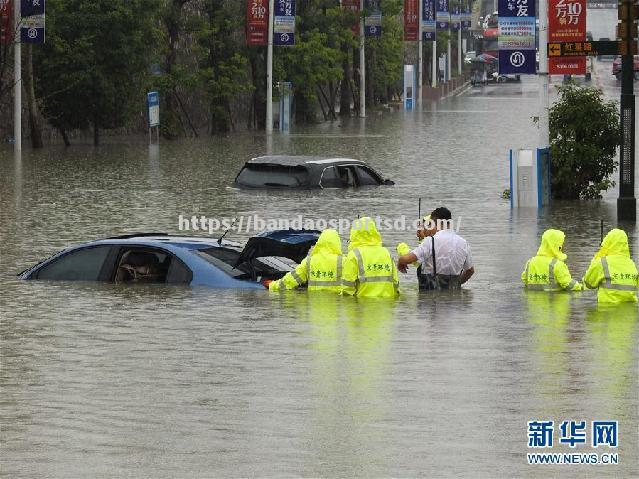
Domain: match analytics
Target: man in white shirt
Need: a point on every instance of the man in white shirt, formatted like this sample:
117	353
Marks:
445	257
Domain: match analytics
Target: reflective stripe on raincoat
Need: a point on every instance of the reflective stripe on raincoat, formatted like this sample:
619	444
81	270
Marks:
612	270
321	270
369	269
547	271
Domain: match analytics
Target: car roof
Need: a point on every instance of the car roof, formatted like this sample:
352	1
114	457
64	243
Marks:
287	160
162	240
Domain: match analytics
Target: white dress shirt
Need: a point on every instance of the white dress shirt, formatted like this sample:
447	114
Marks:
452	253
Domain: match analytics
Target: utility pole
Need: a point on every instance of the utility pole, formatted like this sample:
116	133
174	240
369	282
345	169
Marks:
420	55
449	62
17	79
459	49
362	63
433	81
269	70
544	129
628	13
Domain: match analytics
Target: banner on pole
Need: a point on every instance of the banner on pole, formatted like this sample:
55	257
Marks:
256	22
411	20
352	5
153	108
32	25
373	21
455	19
442	16
567	23
429	25
6	21
516	39
467	16
284	23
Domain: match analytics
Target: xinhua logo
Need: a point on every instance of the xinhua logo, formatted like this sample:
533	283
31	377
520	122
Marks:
542	433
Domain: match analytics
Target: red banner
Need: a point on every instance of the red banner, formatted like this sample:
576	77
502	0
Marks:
567	23
411	20
6	21
353	5
256	22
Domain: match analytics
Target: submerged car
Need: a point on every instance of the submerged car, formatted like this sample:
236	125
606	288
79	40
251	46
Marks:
307	172
162	259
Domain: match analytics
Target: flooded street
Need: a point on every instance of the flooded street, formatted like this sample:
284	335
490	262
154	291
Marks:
107	380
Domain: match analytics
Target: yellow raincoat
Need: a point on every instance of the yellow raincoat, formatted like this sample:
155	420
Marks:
547	271
369	269
321	269
612	270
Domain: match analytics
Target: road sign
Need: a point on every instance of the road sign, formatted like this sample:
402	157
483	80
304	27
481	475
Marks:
153	104
581	49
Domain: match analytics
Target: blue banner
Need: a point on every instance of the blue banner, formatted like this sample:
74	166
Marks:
516	39
284	23
442	16
467	18
373	19
429	24
455	19
32	29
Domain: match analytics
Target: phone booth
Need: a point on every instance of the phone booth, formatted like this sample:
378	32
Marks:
410	86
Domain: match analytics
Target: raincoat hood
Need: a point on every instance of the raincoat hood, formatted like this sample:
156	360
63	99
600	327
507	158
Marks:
329	242
615	243
364	233
551	243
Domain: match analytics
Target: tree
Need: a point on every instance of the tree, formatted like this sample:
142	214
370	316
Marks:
92	70
585	132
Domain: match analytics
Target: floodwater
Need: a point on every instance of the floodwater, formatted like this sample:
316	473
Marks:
112	381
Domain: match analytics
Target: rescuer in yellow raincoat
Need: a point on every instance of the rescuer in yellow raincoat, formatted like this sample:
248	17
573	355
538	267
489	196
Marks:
369	269
612	270
321	270
547	271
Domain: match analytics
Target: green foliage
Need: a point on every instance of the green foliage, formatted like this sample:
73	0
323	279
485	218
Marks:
93	67
585	131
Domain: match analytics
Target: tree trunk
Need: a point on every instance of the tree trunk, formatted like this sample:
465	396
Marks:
96	129
64	135
34	114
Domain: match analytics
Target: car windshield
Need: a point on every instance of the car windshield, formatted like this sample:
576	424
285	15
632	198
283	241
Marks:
261	175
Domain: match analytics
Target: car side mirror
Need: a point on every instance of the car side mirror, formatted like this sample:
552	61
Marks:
389	182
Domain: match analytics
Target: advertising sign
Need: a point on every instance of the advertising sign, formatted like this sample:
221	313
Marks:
567	23
352	5
411	20
284	23
442	16
429	25
153	105
256	22
516	40
373	21
32	28
6	21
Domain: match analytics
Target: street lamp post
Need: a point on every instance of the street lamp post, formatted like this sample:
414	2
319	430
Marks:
17	80
269	70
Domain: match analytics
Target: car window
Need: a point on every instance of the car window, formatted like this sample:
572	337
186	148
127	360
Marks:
80	265
138	264
330	178
347	176
366	177
273	175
